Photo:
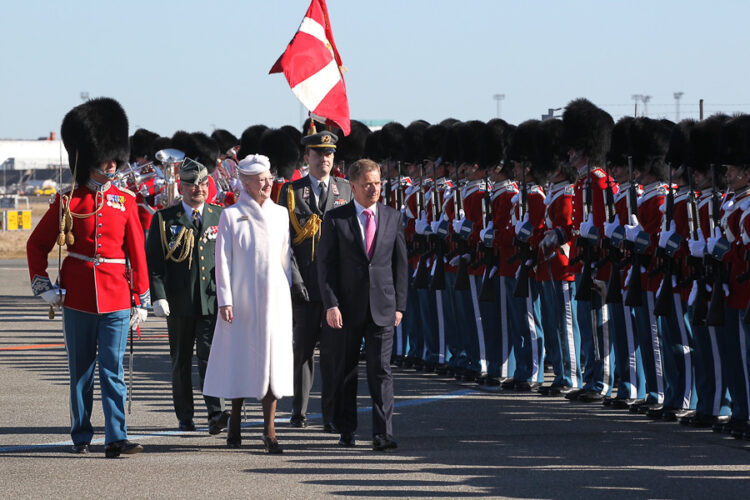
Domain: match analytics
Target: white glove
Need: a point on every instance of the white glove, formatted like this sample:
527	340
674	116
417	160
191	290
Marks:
54	296
421	225
483	232
434	226
138	315
666	234
455	260
711	242
609	227
550	239
632	229
587	226
514	199
161	308
697	247
520	223
457	223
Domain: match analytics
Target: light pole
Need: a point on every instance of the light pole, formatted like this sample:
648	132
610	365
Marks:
498	99
84	96
636	98
645	99
677	97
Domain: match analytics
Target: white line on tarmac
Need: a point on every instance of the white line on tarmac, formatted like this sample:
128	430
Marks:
252	423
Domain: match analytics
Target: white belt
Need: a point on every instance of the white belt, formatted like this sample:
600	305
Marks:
96	260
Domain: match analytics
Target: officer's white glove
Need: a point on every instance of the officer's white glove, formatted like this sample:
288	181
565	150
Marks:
609	227
666	234
421	225
54	296
521	223
711	242
484	231
457	223
138	315
161	308
697	247
587	226
633	229
550	239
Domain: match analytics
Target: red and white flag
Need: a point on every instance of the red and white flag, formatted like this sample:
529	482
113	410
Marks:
313	68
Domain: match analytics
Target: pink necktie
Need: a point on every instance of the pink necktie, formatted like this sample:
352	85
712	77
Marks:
369	231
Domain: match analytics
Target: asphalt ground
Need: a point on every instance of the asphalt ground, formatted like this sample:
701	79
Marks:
454	440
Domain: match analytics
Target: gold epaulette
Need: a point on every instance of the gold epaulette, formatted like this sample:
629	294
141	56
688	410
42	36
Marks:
311	229
185	236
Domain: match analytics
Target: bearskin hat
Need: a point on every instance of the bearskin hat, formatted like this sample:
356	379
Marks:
157	145
225	139
198	147
705	143
351	148
679	143
282	150
470	134
588	129
449	122
319	127
393	141
649	142
735	141
522	147
434	141
373	147
415	141
619	149
551	153
140	144
93	133
495	138
250	140
296	136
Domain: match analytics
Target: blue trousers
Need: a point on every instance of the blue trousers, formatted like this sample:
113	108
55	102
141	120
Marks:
594	326
428	341
410	322
550	320
628	364
528	337
466	334
84	332
710	385
733	347
450	321
677	339
557	297
509	318
492	335
649	341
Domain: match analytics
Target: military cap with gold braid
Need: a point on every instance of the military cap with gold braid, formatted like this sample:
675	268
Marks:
323	142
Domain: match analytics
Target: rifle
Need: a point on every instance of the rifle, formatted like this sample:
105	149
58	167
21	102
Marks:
696	263
400	192
521	290
388	197
584	290
715	314
614	255
664	301
420	240
634	295
486	247
438	246
460	241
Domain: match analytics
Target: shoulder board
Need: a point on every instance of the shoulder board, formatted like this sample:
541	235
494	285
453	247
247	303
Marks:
341	180
661	190
127	191
214	205
598	172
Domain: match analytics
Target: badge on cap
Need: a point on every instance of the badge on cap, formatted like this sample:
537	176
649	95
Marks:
192	172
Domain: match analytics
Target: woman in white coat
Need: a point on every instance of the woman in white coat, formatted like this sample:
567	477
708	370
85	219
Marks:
251	354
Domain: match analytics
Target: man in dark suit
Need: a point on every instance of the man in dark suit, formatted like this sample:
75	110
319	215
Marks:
362	267
180	252
307	200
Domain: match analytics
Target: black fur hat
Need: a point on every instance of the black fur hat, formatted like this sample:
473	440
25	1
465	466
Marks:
140	144
551	153
735	141
452	147
319	127
93	133
588	129
705	143
282	150
449	122
157	145
393	141
619	149
296	136
649	142
416	150
522	147
471	134
679	143
495	137
250	140
434	141
373	147
198	147
225	139
351	148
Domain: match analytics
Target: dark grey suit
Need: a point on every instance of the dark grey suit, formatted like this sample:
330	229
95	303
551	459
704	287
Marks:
309	317
368	292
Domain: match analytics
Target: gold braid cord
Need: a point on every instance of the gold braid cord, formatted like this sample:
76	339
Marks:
185	239
311	228
66	218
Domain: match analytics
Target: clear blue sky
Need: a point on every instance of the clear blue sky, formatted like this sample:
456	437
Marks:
198	65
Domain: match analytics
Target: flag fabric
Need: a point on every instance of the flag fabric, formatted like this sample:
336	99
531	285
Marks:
313	68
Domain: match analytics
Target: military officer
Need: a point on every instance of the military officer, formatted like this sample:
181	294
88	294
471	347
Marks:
307	200
180	252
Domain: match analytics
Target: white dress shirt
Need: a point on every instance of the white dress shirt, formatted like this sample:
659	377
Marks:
189	210
362	218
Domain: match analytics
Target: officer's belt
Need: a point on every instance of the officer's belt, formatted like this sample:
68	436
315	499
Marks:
96	260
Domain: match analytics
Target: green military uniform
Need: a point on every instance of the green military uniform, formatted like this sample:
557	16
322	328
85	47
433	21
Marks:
181	269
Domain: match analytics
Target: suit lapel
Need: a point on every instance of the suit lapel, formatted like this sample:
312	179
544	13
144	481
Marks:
354	227
308	196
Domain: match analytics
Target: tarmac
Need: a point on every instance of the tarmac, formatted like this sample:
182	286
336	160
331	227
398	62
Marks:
454	439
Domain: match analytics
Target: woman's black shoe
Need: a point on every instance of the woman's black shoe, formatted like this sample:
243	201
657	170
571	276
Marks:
234	441
272	445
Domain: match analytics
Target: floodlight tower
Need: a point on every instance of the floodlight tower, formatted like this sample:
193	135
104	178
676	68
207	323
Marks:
84	96
645	99
498	99
636	98
677	97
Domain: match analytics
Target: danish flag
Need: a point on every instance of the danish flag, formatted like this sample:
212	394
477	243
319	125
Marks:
313	68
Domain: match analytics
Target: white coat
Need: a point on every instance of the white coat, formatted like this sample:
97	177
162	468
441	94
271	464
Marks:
253	275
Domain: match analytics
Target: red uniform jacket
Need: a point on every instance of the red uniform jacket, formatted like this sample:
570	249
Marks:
113	232
650	216
558	216
733	223
502	219
473	194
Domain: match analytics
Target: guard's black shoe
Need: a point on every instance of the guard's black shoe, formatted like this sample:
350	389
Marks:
218	422
383	442
298	421
508	384
187	425
651	407
635	405
124	447
621	403
573	395
441	370
347	439
329	428
658	413
590	397
80	448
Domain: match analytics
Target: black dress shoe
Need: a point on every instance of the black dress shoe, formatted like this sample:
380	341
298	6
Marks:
659	413
636	405
700	420
234	440
590	397
347	439
564	390
441	370
80	448
187	425
573	395
383	442
218	422
607	401
522	386
298	421
650	407
124	447
329	428
621	403
508	384
272	446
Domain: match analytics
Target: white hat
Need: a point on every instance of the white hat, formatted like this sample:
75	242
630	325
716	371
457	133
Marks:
254	164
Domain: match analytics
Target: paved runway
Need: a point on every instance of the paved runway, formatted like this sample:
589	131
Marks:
454	441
